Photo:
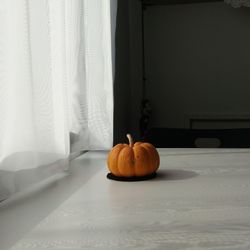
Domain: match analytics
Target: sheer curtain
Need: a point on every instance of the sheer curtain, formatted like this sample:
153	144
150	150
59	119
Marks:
56	85
238	3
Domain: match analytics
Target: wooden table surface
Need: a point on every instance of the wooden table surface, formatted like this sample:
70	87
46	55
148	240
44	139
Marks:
200	200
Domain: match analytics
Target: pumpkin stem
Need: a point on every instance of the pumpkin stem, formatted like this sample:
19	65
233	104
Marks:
130	139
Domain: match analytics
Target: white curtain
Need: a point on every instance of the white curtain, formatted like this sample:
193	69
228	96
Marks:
56	85
238	3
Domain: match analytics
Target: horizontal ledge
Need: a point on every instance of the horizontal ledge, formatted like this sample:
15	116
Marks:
172	2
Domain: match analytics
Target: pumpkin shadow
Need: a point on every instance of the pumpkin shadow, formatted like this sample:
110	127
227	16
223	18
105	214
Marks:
174	175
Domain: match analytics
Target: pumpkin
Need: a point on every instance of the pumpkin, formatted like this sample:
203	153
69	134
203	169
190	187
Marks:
135	159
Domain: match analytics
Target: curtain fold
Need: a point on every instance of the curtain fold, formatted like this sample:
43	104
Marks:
56	85
238	3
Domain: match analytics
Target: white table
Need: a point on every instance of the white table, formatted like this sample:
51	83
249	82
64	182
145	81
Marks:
200	200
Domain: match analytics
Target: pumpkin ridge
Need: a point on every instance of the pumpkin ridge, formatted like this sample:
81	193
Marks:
151	158
154	153
126	161
113	158
141	161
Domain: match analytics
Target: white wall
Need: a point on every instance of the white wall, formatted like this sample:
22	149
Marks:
198	62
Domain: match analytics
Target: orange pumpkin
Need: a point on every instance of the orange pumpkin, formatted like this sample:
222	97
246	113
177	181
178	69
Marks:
139	159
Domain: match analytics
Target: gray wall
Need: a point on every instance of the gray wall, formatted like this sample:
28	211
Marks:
198	62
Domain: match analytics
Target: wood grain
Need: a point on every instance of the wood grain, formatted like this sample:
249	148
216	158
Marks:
201	200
